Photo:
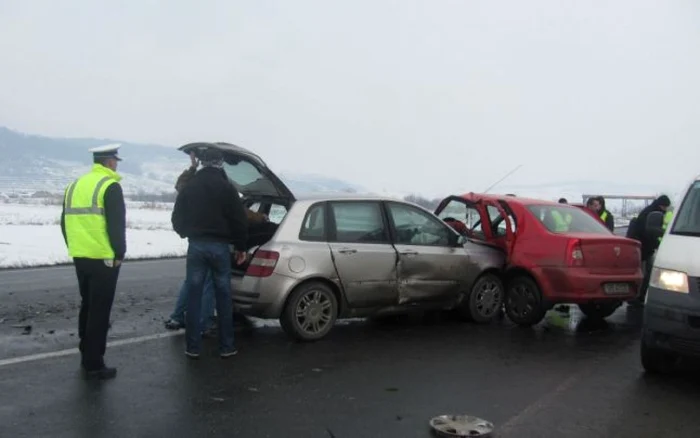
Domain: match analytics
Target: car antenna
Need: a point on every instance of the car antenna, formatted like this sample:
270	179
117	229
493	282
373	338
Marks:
501	180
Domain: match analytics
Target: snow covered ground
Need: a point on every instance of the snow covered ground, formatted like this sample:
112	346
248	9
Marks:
30	234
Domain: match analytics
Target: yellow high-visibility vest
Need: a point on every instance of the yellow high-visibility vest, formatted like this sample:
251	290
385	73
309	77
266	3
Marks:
85	223
667	220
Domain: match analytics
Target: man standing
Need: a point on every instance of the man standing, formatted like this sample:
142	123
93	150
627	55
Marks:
597	205
649	241
209	213
93	223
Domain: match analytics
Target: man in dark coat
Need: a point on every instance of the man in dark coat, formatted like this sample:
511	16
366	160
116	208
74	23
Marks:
649	241
209	213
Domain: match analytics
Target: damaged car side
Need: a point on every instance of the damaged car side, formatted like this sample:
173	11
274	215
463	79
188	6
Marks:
360	256
555	254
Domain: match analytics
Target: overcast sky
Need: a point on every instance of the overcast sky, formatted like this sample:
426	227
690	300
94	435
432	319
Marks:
432	96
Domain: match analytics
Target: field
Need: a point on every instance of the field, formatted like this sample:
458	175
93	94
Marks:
30	234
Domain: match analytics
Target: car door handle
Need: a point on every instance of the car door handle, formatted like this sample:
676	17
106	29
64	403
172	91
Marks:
347	251
409	253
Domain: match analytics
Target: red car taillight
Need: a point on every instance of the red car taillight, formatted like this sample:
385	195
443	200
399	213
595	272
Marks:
263	263
574	253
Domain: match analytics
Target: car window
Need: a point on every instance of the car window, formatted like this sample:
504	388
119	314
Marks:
277	211
497	221
688	220
246	177
416	227
466	214
314	226
358	222
563	219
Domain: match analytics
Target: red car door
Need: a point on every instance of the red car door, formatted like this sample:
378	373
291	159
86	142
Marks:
501	224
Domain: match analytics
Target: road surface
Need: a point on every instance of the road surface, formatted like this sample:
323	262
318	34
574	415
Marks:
567	377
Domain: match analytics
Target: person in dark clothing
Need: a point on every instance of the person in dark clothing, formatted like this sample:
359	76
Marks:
639	231
93	223
209	213
649	241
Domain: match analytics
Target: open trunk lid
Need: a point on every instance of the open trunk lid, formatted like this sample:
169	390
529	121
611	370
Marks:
246	170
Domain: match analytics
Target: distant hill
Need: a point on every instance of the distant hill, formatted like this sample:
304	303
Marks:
33	163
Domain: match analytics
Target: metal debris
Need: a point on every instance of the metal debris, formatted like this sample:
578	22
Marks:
461	426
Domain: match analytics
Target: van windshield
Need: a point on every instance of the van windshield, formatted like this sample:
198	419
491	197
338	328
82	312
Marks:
688	221
562	219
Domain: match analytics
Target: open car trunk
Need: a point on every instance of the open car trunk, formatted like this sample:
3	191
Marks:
261	190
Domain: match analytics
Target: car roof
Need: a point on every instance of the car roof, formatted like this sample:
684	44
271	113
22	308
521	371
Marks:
510	199
340	196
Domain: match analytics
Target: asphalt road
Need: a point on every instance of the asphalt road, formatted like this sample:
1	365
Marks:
567	377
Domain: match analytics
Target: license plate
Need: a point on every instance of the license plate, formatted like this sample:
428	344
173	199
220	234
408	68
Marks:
616	288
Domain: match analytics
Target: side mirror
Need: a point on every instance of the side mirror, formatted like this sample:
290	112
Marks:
457	240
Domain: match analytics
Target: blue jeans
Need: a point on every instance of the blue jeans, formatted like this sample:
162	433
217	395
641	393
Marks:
207	319
204	256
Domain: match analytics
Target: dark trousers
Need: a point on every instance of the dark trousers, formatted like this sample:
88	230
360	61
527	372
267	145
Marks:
204	257
97	283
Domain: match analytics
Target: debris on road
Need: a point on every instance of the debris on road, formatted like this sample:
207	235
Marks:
27	329
253	389
461	426
218	399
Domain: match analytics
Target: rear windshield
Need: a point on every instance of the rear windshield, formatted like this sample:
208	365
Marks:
562	219
247	178
688	221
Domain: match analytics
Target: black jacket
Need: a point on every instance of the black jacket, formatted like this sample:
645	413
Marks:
210	208
115	215
639	231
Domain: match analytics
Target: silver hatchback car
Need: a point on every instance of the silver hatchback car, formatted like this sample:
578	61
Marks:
330	257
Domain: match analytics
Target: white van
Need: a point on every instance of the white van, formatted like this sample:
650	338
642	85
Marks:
672	307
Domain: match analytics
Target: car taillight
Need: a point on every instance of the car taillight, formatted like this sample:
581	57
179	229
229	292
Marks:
263	263
574	253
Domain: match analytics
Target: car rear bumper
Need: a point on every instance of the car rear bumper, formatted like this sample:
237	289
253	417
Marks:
261	297
578	285
672	322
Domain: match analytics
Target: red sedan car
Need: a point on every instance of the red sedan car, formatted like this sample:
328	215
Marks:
556	253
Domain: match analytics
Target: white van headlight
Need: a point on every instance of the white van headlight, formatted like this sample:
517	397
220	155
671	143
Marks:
666	279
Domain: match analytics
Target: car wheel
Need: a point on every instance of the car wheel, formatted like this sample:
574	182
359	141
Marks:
485	299
524	302
657	361
310	312
599	310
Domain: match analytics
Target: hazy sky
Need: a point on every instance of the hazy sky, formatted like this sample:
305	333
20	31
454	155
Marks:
432	96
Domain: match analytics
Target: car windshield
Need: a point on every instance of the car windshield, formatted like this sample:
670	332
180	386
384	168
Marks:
688	221
565	219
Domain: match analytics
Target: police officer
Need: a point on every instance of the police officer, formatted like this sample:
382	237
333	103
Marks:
93	222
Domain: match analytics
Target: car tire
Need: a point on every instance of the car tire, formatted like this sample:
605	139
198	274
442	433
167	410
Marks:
485	300
523	301
657	361
599	310
310	312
